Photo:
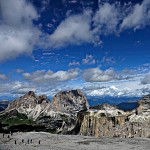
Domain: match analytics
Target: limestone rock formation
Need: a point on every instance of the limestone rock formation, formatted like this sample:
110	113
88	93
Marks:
60	115
30	104
142	113
69	113
110	121
70	101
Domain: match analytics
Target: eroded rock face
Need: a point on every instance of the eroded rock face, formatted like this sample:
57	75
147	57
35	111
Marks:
70	101
58	116
30	104
61	116
69	113
110	121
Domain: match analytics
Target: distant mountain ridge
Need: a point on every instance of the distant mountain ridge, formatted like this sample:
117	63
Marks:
3	104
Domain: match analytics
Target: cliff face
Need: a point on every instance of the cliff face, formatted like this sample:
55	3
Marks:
60	115
112	122
70	101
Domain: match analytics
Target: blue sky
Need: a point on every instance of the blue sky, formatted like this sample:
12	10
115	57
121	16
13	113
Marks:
99	46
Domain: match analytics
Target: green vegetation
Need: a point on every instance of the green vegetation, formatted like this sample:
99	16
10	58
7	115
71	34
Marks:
16	119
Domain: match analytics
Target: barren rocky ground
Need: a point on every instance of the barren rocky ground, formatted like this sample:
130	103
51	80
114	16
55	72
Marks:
69	142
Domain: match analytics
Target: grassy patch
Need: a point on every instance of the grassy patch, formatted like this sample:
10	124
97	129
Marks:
16	119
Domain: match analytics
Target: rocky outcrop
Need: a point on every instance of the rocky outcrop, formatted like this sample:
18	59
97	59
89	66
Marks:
142	113
61	116
58	116
30	104
112	122
70	102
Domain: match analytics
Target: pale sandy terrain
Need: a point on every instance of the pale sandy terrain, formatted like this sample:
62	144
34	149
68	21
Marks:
69	142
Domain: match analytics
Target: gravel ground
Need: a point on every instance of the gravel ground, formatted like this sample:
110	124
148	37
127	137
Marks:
69	142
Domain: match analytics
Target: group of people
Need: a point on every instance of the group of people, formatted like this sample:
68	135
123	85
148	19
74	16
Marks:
28	141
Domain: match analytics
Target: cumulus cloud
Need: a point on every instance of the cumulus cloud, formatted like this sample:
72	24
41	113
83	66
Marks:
42	76
3	77
110	18
107	18
97	75
98	83
17	32
14	88
75	30
118	88
89	60
146	79
138	17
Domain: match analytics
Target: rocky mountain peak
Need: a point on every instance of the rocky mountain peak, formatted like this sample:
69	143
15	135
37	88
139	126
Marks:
30	94
70	101
43	99
29	104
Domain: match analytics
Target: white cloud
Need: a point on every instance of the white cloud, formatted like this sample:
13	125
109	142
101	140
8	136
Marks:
17	32
108	60
139	16
97	75
75	29
107	18
41	82
3	77
99	83
110	91
64	75
118	88
110	18
74	63
13	88
146	79
114	91
42	76
89	60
